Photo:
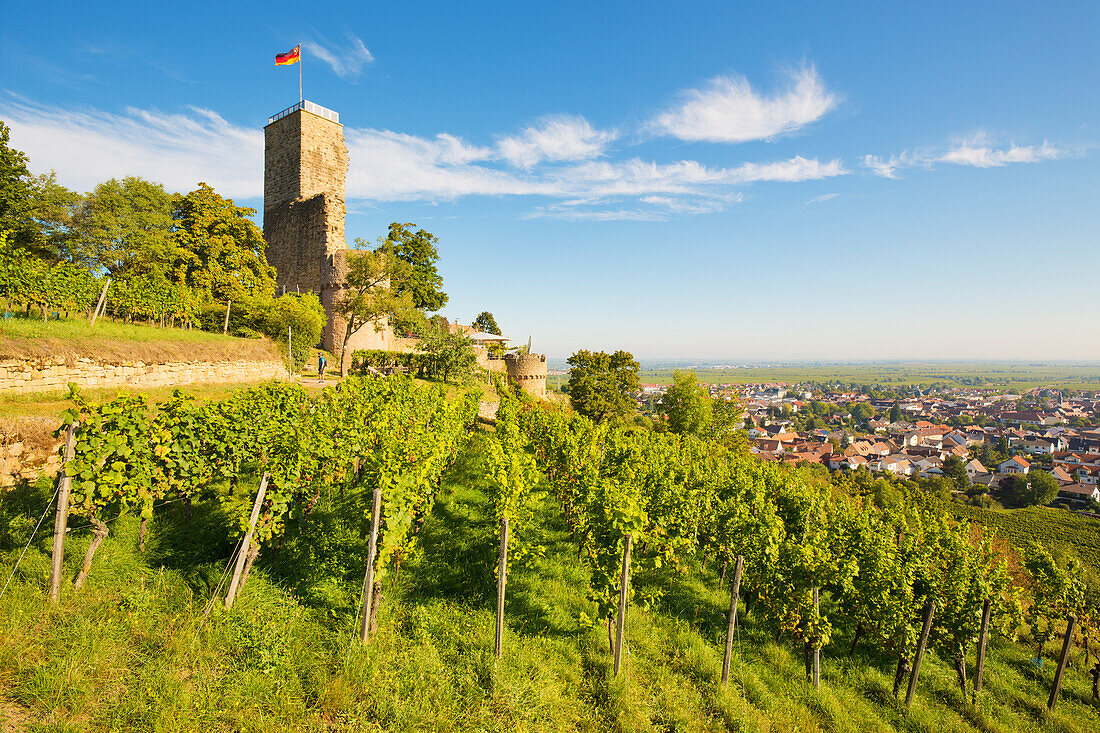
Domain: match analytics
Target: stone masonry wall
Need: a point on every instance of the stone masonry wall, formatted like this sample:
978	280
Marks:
305	169
21	376
528	371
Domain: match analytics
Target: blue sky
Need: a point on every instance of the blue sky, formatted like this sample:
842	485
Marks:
735	181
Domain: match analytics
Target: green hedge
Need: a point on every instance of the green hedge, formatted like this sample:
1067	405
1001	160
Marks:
363	359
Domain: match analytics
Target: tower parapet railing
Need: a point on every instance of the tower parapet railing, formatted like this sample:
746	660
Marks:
308	106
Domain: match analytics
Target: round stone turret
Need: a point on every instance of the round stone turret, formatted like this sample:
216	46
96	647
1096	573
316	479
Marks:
528	371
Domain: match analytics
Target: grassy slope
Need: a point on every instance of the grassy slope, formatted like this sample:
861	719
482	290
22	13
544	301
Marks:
30	338
128	653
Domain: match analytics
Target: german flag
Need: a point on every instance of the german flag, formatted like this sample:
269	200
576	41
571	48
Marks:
290	57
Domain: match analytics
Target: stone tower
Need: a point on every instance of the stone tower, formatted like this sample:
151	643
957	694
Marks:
528	371
305	174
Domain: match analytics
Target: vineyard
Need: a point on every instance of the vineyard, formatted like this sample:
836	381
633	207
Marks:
371	558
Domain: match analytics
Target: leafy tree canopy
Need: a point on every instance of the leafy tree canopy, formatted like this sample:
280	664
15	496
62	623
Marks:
1036	488
126	226
221	251
373	292
686	404
417	248
487	323
600	384
14	185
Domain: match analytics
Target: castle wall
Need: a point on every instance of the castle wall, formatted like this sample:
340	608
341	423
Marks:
528	371
305	173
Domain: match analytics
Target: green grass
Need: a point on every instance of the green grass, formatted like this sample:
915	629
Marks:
131	652
30	338
106	328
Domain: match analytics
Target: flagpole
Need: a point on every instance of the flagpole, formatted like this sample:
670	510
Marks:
300	97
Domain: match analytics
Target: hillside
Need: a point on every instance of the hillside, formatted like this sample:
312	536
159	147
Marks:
132	651
114	342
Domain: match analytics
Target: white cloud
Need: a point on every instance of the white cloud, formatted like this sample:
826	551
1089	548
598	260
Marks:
555	138
346	61
729	110
880	167
976	151
822	198
181	149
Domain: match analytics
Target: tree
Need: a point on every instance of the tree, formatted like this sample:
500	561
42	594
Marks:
895	413
50	211
486	323
450	353
1036	488
954	468
305	318
686	404
863	411
126	226
725	421
15	187
601	385
220	253
418	249
371	293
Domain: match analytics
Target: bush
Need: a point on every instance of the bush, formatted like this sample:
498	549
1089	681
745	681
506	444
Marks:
265	316
362	360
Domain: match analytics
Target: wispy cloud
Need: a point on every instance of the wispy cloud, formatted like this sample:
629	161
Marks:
346	60
978	152
88	146
555	138
822	198
729	110
561	168
975	150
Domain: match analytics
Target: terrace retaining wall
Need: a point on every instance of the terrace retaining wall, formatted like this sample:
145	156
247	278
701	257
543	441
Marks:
19	376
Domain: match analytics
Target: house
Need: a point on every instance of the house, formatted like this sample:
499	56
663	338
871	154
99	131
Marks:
1079	492
974	468
1014	465
1064	477
1038	446
1087	475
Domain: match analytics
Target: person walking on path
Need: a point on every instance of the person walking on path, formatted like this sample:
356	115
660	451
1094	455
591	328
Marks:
321	364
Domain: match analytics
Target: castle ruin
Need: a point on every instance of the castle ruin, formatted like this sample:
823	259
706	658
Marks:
305	182
305	173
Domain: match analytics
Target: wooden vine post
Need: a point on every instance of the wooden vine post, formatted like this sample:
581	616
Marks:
816	652
225	327
372	551
735	590
242	552
1071	624
61	518
99	303
502	580
983	643
929	610
624	591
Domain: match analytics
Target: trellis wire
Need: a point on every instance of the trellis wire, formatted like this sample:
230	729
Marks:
24	552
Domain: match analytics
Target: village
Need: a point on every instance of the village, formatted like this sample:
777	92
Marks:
993	434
